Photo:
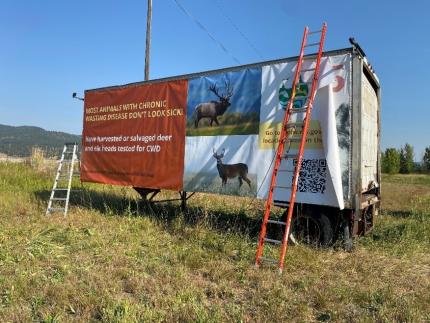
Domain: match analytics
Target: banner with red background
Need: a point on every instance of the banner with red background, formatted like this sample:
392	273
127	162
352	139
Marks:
135	135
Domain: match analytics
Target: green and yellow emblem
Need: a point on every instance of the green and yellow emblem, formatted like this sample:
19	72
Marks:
302	91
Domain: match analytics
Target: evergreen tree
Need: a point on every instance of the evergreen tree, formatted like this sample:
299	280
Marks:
391	161
407	164
426	160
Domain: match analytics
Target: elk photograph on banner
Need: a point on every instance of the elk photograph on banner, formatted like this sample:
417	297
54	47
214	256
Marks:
224	104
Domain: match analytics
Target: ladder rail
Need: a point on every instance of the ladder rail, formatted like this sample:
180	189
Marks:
69	185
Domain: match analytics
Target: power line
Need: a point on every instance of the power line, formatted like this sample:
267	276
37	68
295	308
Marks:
218	3
198	23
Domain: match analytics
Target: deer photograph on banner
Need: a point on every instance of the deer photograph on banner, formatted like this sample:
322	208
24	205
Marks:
222	164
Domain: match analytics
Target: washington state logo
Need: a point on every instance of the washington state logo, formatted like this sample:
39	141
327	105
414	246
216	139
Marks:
284	93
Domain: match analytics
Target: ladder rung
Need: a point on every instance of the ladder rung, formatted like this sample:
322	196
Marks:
276	222
312	44
300	110
273	241
314	32
292	155
286	170
307	70
294	139
56	209
293	124
281	203
274	261
300	97
60	189
283	187
58	199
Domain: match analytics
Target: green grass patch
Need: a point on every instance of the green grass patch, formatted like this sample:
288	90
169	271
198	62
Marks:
113	259
224	130
414	179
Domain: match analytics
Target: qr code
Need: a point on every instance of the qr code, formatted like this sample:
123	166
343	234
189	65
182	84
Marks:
312	178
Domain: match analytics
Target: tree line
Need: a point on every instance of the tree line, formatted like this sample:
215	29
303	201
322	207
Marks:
401	161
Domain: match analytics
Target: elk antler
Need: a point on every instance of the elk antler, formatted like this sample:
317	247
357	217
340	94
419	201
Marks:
214	89
228	90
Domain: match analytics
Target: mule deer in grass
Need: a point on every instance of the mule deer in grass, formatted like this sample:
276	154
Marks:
213	109
226	171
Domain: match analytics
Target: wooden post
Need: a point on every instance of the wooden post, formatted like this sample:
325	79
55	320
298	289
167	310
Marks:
148	39
183	195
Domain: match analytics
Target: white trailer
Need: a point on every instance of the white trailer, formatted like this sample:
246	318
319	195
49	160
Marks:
232	116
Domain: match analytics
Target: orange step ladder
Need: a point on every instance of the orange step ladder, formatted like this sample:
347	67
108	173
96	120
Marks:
283	156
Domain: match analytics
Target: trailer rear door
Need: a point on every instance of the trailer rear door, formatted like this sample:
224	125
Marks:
369	133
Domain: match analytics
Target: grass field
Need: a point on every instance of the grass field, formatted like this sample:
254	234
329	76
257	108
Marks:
113	260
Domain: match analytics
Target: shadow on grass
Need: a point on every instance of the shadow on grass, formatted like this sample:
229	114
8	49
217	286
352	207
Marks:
398	213
163	213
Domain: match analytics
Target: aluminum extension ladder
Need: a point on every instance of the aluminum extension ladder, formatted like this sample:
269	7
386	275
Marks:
60	194
282	155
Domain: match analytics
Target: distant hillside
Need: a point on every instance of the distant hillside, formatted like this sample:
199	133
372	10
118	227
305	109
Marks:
18	141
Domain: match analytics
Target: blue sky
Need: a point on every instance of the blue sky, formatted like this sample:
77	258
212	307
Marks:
49	49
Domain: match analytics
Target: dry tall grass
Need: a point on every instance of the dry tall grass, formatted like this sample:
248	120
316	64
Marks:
113	260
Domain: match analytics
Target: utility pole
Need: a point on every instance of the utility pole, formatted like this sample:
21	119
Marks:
148	39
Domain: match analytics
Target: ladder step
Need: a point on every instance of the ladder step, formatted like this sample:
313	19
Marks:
314	32
60	189
273	241
301	98
293	125
307	70
274	261
56	209
295	139
292	155
312	44
279	203
300	110
58	199
276	222
283	187
286	170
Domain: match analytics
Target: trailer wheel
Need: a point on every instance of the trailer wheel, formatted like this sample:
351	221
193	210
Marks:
312	229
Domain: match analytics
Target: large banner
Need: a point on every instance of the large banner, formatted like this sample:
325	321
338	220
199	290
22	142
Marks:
135	135
218	133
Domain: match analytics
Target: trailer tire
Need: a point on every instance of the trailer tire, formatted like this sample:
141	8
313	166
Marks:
312	229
